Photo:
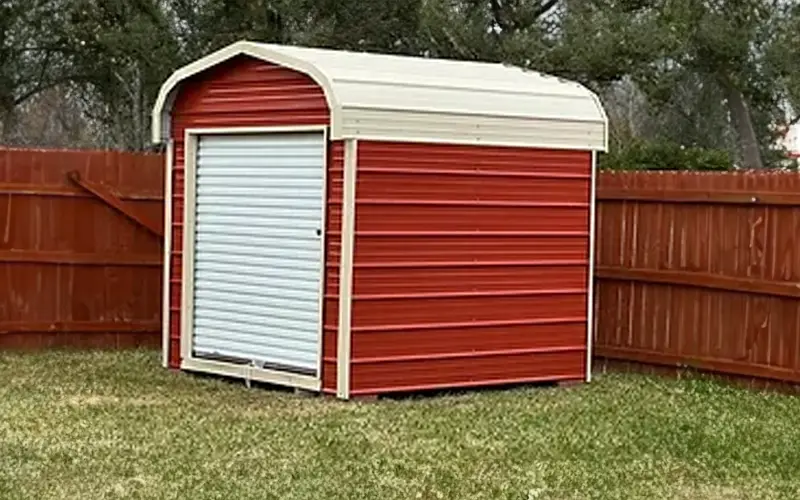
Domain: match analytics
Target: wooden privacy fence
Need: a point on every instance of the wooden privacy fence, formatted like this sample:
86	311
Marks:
700	270
693	269
80	248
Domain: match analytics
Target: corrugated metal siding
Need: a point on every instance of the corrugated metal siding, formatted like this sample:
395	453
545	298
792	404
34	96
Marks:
333	246
471	266
241	92
257	264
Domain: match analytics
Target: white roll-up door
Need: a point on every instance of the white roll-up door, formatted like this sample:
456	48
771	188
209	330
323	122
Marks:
258	252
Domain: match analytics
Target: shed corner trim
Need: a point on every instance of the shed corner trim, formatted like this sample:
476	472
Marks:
344	334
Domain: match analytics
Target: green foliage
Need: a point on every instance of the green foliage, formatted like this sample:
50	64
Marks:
123	50
712	74
710	53
27	62
664	155
388	26
203	26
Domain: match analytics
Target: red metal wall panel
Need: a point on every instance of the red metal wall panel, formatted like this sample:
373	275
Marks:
333	244
239	93
471	266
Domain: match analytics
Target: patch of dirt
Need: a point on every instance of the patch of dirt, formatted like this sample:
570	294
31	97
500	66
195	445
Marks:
83	400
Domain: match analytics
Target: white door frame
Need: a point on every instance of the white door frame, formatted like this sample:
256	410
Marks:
247	372
166	290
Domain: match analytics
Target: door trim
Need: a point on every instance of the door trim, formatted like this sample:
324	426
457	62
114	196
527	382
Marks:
166	312
252	373
248	372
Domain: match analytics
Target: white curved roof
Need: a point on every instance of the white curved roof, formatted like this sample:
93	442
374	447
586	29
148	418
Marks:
399	98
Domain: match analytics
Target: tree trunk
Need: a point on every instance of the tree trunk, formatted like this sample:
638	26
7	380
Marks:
743	123
8	127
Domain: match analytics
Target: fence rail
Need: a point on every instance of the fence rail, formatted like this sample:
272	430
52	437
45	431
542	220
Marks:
77	269
700	270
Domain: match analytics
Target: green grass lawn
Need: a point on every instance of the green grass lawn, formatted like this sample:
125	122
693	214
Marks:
116	425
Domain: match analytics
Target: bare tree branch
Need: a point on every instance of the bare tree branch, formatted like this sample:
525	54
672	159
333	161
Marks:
505	20
499	15
42	86
545	8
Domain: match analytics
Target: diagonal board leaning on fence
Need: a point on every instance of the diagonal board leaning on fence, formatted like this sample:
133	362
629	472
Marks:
76	269
700	270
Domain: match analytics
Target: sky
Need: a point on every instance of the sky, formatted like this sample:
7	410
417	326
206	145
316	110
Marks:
793	140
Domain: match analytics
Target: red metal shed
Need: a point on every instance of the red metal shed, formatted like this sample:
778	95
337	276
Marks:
362	224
